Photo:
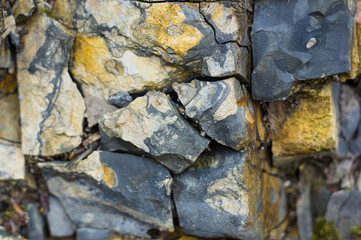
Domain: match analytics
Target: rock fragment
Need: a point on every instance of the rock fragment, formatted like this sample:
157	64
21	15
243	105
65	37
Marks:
153	124
52	108
222	183
119	192
224	110
36	223
344	211
304	125
10	118
298	40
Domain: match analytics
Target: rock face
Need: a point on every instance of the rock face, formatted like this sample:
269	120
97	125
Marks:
12	163
130	46
10	118
52	108
225	184
343	209
153	124
132	197
223	109
304	125
298	40
59	223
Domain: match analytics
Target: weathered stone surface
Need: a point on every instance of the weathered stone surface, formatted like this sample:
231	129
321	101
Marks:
10	118
52	108
304	217
153	124
59	223
229	20
129	46
224	110
349	111
121	99
304	125
36	223
23	8
7	236
12	163
119	192
344	210
8	84
220	196
92	234
298	40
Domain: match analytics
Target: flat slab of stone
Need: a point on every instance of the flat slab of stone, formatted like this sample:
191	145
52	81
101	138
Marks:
10	118
119	192
304	125
12	163
223	109
218	196
152	123
59	224
52	108
298	40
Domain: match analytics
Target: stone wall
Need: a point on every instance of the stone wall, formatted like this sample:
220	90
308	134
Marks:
129	119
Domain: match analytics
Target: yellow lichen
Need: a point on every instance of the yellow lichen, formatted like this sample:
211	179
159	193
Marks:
171	31
8	83
108	176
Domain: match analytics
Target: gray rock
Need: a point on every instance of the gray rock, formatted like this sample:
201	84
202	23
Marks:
118	192
224	110
121	99
113	144
219	196
6	236
349	112
304	216
153	124
36	223
92	234
59	222
344	210
298	40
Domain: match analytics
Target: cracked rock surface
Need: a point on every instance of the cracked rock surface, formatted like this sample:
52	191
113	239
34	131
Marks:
153	124
298	40
224	110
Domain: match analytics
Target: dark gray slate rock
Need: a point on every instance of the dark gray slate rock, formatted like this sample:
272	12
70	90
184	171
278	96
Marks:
113	144
59	222
219	196
92	234
304	217
121	99
224	110
152	123
344	210
298	40
36	223
118	192
349	112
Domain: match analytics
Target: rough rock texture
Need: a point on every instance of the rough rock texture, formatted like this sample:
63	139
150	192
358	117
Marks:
12	163
219	196
59	223
344	210
133	194
224	110
23	8
10	118
298	40
92	234
52	108
153	124
304	125
130	46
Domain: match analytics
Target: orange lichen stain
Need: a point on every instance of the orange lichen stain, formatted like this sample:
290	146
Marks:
171	31
242	102
90	53
108	176
8	83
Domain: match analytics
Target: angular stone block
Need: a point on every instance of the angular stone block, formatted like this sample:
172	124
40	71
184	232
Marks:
298	40
220	196
223	109
12	163
119	192
52	107
305	125
153	124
